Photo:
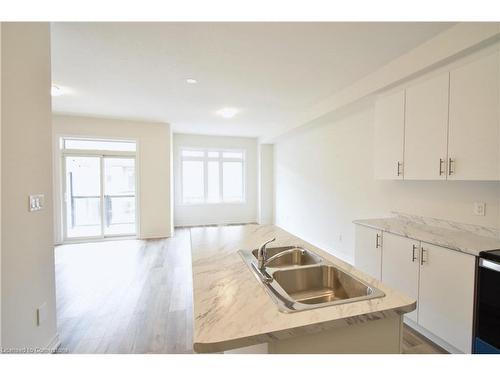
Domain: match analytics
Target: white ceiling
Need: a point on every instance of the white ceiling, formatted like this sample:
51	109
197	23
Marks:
270	71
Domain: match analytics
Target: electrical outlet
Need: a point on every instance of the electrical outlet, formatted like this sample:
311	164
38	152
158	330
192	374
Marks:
41	314
479	208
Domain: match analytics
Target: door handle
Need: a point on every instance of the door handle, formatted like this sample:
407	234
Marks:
441	163
422	261
489	264
450	163
399	165
377	243
414	250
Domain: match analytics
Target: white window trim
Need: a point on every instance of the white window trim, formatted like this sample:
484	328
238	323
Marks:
205	159
90	152
63	152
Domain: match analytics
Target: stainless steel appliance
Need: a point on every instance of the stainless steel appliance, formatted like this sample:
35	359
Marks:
487	337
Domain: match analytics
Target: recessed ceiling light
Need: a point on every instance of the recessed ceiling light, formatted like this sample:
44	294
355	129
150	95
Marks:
227	112
191	81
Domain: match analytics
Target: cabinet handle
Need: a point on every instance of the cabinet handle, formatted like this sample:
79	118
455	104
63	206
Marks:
413	257
450	163
441	162
399	165
422	261
377	243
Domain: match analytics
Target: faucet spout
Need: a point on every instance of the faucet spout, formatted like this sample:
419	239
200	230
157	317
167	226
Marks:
262	253
282	253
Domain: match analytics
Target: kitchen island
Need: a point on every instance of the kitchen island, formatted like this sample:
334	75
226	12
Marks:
234	313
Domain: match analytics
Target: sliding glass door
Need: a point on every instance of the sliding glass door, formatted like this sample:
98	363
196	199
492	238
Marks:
83	196
99	196
119	196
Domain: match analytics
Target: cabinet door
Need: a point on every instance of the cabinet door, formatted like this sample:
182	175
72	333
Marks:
426	129
389	136
368	250
473	128
400	266
446	295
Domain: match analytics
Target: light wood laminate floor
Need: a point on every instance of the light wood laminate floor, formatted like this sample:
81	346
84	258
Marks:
135	296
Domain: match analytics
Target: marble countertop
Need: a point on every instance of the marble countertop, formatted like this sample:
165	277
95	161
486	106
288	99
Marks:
454	239
232	308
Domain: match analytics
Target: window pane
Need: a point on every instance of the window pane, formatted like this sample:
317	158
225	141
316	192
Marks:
197	154
232	155
192	182
87	213
119	176
213	181
119	196
233	181
92	144
120	215
213	154
83	192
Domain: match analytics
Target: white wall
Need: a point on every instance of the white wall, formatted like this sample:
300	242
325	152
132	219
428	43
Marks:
324	181
266	184
223	213
457	41
152	163
27	237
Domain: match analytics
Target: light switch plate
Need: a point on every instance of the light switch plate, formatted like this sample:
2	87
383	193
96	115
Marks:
479	208
36	202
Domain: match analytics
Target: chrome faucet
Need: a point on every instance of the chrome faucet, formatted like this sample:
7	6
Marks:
263	260
262	254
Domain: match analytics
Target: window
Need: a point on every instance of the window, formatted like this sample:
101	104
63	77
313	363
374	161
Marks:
193	181
212	176
96	144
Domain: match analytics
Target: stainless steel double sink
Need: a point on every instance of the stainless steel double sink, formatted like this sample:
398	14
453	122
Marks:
302	280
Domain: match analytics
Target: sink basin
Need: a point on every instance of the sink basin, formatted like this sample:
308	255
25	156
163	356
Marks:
303	280
321	284
300	257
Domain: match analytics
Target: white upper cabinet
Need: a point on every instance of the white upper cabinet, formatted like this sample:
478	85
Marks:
445	127
446	295
473	139
400	266
389	136
368	251
426	127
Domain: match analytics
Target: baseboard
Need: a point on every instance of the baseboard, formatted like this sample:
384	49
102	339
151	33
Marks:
154	237
435	339
105	239
228	223
53	345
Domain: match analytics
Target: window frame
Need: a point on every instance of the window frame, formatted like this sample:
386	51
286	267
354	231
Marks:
65	149
62	188
205	159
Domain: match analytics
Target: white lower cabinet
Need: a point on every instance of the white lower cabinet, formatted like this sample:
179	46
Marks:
400	266
446	295
439	279
368	251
